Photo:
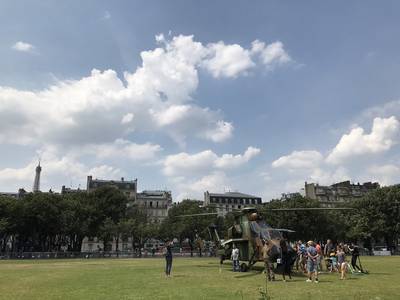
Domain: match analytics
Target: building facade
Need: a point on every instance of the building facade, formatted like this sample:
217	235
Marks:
129	188
155	203
338	192
228	202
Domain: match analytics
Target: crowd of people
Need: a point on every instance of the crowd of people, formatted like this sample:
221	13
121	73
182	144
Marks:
311	258
329	256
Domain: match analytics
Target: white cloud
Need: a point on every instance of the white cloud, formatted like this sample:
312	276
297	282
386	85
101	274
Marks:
157	96
299	159
387	174
191	120
234	161
23	47
127	118
383	136
183	164
172	114
228	60
222	132
100	115
216	181
123	149
271	55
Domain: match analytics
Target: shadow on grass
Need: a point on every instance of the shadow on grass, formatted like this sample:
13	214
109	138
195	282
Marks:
247	274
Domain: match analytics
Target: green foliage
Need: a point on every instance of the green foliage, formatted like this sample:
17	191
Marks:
50	222
188	227
47	221
377	215
312	224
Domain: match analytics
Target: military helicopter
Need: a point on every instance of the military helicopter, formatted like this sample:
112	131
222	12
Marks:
248	233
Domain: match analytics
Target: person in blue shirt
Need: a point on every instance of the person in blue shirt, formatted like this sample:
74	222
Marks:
312	262
301	255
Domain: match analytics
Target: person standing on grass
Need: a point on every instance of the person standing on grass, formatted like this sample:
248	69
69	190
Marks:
286	260
342	265
355	253
312	264
320	256
235	258
168	258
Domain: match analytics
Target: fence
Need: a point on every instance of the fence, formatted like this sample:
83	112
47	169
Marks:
97	254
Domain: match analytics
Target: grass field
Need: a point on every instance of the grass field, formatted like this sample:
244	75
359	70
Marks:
194	278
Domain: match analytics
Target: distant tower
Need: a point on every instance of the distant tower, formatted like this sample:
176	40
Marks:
36	183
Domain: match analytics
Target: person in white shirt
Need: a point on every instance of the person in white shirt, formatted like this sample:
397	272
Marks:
235	258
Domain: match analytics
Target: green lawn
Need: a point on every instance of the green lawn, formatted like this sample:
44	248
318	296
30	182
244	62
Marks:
192	279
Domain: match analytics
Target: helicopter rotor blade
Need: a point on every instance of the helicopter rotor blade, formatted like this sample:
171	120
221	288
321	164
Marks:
197	215
310	208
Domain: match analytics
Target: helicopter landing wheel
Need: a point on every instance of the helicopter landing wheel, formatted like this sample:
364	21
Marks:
244	267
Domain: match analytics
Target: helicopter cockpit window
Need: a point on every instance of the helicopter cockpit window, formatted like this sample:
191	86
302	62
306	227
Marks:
264	233
275	234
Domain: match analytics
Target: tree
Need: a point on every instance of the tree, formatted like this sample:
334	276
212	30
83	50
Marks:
136	225
187	227
377	216
312	224
107	208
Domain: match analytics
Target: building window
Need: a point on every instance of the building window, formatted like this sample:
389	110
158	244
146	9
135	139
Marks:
151	203
223	200
229	201
157	203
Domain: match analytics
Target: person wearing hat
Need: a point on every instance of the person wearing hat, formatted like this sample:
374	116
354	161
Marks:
312	262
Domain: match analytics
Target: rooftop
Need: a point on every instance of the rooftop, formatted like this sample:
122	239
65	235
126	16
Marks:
233	194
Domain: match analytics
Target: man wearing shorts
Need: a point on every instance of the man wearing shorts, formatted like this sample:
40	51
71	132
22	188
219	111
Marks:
312	262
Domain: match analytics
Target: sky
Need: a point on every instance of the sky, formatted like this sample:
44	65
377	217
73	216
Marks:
257	97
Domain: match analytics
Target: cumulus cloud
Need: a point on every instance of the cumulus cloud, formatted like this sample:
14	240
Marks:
182	164
271	55
233	161
228	60
299	159
23	47
216	181
127	118
383	136
102	113
102	107
122	149
386	174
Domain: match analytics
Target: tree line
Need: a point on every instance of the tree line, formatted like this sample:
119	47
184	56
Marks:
53	222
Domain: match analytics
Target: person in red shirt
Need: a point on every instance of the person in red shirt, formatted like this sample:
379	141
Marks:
320	256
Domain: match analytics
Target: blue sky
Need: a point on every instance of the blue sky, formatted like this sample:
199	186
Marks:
194	96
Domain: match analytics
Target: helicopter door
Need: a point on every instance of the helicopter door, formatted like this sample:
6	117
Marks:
237	231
